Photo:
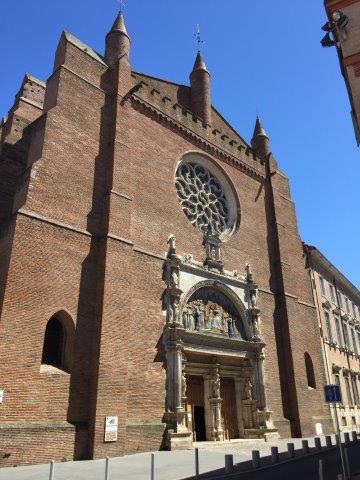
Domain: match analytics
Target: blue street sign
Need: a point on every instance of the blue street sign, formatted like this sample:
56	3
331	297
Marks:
332	394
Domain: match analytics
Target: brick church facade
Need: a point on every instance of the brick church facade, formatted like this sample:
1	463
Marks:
153	288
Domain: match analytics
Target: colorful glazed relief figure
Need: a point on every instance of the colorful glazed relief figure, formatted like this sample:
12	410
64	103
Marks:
188	318
208	316
199	315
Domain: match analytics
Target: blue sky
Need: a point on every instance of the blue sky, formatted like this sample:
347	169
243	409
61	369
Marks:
262	55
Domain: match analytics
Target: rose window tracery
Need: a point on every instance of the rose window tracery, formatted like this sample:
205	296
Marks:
202	198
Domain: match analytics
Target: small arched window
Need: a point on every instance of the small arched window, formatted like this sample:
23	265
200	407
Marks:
53	343
58	342
309	371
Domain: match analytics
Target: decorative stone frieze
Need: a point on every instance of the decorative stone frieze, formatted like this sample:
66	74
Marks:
212	314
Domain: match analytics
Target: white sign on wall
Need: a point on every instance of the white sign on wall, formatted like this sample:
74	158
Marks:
111	429
318	429
2	392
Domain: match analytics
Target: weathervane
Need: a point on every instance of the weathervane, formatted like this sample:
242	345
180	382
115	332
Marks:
122	4
197	35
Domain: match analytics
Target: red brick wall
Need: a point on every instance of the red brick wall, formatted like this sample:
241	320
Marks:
90	239
28	444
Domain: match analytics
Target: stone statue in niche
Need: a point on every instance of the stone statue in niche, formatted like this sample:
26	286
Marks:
248	390
170	313
175	309
210	311
253	298
256	328
183	383
216	386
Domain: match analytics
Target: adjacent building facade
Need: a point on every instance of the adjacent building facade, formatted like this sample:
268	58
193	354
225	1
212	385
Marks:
338	303
153	288
347	41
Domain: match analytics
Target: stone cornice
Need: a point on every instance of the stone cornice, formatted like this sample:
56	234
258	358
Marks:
338	4
194	129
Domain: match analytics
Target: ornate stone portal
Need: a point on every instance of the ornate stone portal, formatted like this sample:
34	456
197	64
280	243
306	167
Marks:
212	335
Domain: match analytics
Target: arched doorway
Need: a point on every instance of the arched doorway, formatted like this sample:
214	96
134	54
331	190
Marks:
213	316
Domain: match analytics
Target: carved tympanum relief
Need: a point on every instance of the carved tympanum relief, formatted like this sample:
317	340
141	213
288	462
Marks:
208	310
206	197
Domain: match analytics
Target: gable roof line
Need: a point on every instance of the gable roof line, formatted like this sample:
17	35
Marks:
212	106
158	78
230	158
233	129
83	47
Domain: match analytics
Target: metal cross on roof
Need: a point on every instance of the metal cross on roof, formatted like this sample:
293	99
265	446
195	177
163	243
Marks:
122	4
197	35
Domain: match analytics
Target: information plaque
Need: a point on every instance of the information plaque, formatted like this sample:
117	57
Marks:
111	429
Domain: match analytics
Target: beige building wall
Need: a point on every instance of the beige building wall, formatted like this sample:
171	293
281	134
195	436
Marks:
348	46
338	305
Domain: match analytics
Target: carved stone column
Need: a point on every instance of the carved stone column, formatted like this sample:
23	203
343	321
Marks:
178	435
258	375
263	414
215	400
173	372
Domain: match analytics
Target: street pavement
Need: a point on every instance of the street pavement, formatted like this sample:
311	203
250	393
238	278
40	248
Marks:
168	465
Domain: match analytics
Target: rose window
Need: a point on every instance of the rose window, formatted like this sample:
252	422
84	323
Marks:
202	198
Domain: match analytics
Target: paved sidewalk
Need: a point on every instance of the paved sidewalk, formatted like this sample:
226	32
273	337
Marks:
168	465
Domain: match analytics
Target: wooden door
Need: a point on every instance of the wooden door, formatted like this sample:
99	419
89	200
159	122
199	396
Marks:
195	407
228	408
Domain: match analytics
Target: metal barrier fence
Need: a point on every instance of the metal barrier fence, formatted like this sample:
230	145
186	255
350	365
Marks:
318	462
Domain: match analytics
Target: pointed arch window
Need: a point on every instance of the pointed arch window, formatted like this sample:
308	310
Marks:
310	374
53	343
